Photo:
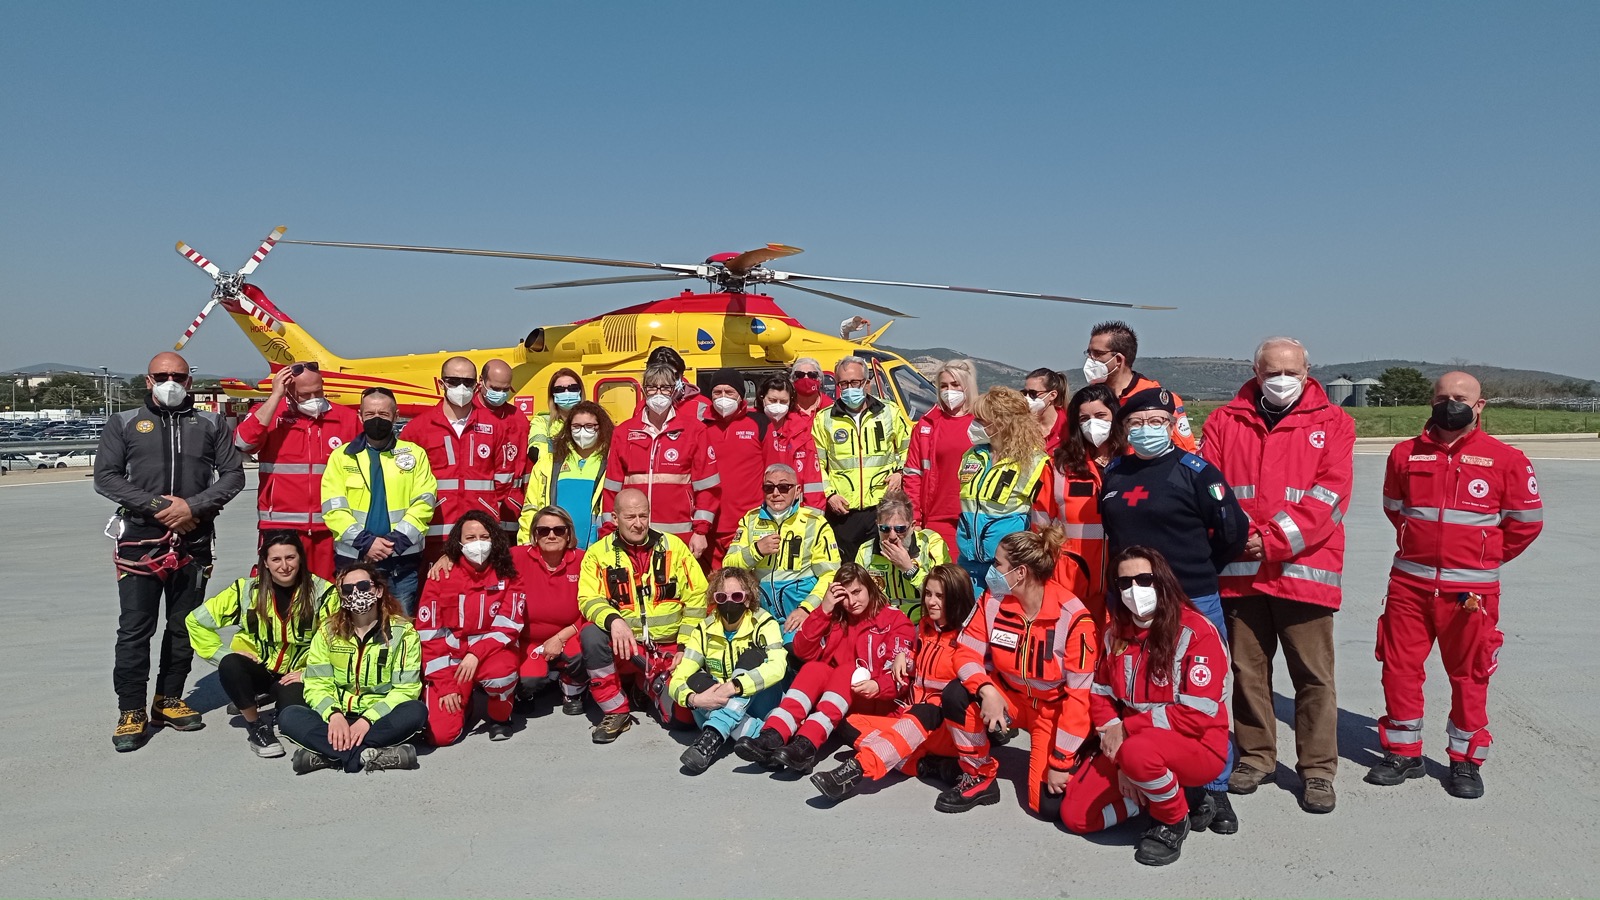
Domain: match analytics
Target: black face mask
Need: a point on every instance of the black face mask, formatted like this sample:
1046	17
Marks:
1451	415
730	612
378	429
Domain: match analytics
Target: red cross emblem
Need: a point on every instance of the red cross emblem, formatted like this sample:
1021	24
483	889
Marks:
1134	496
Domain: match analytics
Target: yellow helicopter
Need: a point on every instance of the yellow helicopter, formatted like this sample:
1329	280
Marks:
727	326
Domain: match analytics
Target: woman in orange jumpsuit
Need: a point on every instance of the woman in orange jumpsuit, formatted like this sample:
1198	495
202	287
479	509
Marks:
1069	495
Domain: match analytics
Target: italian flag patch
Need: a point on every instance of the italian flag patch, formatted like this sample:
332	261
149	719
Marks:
1216	491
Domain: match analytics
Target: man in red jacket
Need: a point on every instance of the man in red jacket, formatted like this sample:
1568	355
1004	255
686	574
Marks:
1289	455
464	446
515	457
1463	504
736	445
292	434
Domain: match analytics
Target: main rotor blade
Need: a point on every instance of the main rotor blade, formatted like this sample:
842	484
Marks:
262	251
786	276
193	255
749	259
503	254
620	279
846	300
195	325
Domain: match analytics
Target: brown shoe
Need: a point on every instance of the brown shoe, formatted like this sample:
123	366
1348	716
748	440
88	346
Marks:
1317	797
1245	779
611	727
175	714
131	730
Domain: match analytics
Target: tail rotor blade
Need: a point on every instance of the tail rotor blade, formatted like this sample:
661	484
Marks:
621	279
263	250
195	325
784	277
193	255
850	301
749	259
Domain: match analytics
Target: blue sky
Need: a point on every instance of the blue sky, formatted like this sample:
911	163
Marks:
1386	180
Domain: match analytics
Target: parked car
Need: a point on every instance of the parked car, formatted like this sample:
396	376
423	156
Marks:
76	459
9	461
44	460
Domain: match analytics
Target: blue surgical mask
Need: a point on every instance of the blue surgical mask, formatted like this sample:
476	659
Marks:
1150	441
494	397
995	581
566	399
853	397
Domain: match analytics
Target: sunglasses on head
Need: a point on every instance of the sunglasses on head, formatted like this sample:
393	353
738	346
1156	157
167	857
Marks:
350	587
771	488
548	530
729	596
1143	579
162	377
459	381
297	368
897	529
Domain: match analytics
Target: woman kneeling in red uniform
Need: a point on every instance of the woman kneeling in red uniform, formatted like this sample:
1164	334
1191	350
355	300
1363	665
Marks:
850	643
549	570
469	620
1158	705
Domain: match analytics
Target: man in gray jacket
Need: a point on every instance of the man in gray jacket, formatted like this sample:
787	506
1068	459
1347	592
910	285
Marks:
170	468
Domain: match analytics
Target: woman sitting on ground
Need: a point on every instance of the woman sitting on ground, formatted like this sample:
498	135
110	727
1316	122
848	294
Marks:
548	571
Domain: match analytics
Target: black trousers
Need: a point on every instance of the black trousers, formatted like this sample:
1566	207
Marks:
244	680
303	726
141	596
851	530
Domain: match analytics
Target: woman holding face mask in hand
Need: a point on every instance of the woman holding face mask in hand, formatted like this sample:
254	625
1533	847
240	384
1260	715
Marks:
572	475
1158	705
1069	495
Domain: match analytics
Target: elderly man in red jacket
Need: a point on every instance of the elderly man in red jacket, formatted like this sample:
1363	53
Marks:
1288	453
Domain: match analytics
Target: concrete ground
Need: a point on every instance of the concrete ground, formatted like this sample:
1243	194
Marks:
549	813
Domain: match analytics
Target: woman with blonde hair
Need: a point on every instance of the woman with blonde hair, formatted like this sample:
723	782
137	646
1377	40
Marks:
999	477
934	456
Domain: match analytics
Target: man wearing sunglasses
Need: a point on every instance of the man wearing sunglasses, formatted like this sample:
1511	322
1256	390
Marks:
789	546
170	468
861	449
464	443
292	434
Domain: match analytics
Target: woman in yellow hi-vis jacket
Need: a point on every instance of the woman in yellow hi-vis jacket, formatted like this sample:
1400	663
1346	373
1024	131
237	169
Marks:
1000	476
363	683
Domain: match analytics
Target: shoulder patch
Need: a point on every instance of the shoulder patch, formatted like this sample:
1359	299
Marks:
1194	462
144	426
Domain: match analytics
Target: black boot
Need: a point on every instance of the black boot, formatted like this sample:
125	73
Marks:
1202	809
839	783
1226	821
760	748
572	706
703	752
305	762
1395	769
943	769
969	791
799	755
1162	844
1464	780
499	731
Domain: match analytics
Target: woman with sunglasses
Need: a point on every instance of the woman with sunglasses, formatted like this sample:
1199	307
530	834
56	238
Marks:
938	439
1046	391
730	674
900	556
789	546
934	735
999	478
850	646
470	622
547	575
572	473
1069	496
363	678
809	398
276	614
565	391
1159	708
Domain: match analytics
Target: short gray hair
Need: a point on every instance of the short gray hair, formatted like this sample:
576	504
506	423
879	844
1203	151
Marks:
851	361
781	468
895	504
1280	341
806	359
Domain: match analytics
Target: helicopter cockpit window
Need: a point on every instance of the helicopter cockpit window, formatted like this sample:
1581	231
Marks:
916	393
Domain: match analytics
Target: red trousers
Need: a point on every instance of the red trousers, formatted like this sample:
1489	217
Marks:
1469	646
817	702
497	675
1159	763
898	741
537	666
319	550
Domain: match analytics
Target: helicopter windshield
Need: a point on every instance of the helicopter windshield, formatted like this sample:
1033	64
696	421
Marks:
917	394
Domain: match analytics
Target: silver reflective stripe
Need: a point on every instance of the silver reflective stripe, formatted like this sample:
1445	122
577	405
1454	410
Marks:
707	483
448	484
1326	496
410	531
333	503
1244	491
1468	576
435	665
1240	568
322	670
1524	515
1293	495
1205	705
293	518
1085	532
1291	532
673	528
430	499
268	468
1463	517
1158	717
1392	504
242	444
1307	573
1425	513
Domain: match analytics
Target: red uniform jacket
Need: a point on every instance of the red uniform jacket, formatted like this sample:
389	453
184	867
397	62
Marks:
293	452
466	611
932	475
872	644
1190	702
552	596
465	464
790	442
1057	433
1072	504
735	448
511	478
674	467
1294	483
1460	511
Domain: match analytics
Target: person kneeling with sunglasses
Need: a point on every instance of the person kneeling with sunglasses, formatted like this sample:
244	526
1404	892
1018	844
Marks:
362	681
732	668
789	546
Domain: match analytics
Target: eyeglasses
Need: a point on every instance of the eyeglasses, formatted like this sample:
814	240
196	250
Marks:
297	368
857	383
729	596
459	381
1143	579
350	587
548	530
163	377
659	389
1094	354
897	529
1145	423
771	488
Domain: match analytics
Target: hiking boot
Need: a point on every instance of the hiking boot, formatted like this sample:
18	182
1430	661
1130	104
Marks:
175	714
1317	796
1225	820
760	748
1394	769
971	790
131	731
1464	780
1245	779
943	769
611	727
839	783
305	761
1202	809
703	752
499	731
262	740
799	755
1162	844
403	756
572	706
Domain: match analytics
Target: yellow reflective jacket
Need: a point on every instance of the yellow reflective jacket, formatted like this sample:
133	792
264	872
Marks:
542	491
799	573
367	676
996	499
408	486
708	648
857	458
903	590
661	604
280	644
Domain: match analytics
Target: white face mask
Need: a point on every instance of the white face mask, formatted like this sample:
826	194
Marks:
952	398
977	434
170	393
776	411
1282	390
1095	371
586	436
313	406
725	406
1036	405
477	551
1141	601
658	403
1096	430
458	395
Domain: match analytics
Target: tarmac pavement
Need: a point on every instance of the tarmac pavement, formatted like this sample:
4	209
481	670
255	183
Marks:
549	813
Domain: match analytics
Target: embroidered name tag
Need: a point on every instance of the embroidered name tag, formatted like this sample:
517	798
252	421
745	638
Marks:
1478	460
1004	639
